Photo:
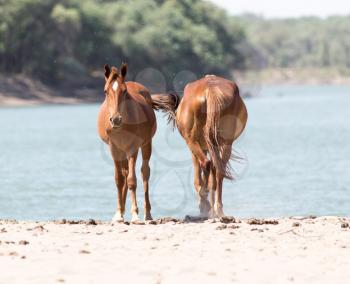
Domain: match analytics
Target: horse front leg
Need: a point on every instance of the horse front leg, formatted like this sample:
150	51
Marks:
132	183
125	172
120	181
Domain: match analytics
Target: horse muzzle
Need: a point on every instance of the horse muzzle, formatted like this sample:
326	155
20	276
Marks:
116	121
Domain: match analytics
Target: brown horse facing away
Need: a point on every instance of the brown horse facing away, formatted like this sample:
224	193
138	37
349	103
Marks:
126	122
210	117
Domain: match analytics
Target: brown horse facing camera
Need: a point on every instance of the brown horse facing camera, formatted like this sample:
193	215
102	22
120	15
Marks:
126	122
210	117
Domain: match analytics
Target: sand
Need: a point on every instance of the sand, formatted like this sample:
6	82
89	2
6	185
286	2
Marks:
287	250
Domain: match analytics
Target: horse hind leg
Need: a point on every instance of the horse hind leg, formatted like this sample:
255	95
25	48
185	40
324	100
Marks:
218	207
201	155
145	171
201	186
212	191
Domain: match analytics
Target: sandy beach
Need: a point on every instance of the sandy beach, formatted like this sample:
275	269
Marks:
287	250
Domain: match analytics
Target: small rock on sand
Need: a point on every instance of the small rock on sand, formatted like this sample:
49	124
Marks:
344	225
227	219
221	227
312	217
74	222
40	228
23	242
233	227
166	220
262	222
91	222
189	218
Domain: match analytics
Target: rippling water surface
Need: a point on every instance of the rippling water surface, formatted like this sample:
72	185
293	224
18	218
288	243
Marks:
296	151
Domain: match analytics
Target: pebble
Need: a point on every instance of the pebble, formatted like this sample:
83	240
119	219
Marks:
227	219
221	227
262	222
233	227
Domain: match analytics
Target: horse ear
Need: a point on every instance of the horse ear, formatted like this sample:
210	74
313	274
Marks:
107	71
123	69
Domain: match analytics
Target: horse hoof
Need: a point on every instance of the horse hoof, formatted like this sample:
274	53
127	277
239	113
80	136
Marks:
135	220
219	213
204	208
117	219
148	217
204	214
212	214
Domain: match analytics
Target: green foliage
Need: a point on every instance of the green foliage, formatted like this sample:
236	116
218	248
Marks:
59	39
302	42
62	40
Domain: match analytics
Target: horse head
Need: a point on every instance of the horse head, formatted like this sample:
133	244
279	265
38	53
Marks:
115	91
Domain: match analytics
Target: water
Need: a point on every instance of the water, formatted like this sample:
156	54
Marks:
296	149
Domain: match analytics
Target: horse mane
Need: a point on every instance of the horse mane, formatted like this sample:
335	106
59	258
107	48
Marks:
167	103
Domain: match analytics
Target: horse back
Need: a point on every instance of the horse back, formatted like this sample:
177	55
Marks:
139	93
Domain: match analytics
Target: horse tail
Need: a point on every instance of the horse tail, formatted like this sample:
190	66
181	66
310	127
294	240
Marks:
215	105
168	104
